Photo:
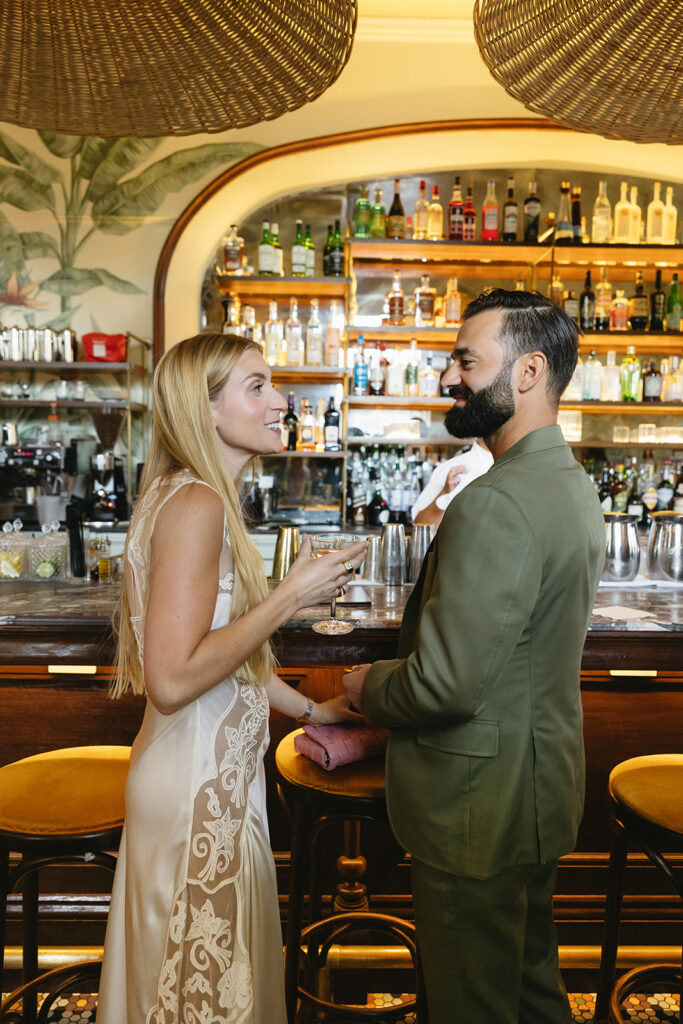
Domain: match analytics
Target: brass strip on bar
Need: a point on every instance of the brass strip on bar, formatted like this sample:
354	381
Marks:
72	670
645	673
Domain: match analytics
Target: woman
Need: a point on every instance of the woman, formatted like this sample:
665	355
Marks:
194	930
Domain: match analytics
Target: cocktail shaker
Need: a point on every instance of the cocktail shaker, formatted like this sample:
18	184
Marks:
392	554
622	550
665	546
419	542
286	550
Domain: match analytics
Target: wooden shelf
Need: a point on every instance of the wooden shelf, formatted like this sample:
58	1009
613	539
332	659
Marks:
655	343
397	402
626	408
73	369
304	455
408	442
429	337
259	291
66	403
308	374
597	443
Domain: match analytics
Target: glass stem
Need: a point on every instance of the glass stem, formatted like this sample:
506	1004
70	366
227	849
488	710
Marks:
333	608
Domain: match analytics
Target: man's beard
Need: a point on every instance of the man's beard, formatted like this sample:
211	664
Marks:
486	411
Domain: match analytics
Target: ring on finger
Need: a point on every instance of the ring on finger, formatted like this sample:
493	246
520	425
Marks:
349	567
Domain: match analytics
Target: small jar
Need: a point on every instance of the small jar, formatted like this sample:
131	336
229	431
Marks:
49	555
99	559
13	552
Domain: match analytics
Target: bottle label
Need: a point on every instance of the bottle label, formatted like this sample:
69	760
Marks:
362	220
425	304
265	258
652	386
396	226
360	379
456	223
232	257
635	508
332	347
337	261
411	377
665	493
510	222
491	218
620	501
650	499
396	309
331	435
606	503
298	260
310	261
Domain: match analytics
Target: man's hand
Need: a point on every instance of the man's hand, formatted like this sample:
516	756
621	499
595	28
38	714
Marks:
354	683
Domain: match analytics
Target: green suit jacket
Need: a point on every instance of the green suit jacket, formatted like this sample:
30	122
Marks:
485	762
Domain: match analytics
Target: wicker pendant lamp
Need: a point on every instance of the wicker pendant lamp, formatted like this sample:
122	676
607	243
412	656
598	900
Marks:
612	67
167	67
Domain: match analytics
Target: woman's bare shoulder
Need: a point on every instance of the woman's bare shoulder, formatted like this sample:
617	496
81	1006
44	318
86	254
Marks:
194	508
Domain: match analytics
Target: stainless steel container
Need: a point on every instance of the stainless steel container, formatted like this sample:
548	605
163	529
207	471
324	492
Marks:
419	542
369	570
622	550
392	554
665	546
286	550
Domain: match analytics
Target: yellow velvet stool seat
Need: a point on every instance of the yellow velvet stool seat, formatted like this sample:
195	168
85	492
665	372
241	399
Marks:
646	801
315	798
60	807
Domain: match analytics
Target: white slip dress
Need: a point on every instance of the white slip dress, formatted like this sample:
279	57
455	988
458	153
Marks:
194	934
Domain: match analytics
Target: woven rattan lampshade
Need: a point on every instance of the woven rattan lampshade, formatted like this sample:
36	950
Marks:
613	67
166	67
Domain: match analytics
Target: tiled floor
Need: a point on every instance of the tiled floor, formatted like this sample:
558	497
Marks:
640	1009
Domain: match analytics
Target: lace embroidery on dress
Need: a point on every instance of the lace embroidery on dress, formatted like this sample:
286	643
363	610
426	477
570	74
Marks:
206	975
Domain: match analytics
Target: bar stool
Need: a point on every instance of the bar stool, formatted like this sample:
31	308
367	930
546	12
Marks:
57	808
646	797
74	979
316	798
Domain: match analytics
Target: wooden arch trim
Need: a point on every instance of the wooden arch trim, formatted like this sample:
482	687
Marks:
306	145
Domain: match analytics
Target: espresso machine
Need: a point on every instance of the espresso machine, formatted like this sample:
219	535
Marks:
28	469
107	499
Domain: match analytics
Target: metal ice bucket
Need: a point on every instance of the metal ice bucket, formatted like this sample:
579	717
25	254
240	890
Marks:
622	550
665	546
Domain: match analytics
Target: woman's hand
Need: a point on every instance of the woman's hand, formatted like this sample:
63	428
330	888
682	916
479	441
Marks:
335	710
317	580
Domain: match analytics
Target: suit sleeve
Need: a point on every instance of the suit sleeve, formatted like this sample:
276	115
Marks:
481	599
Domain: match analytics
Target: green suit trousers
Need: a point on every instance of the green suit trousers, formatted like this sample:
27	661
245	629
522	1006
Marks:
488	946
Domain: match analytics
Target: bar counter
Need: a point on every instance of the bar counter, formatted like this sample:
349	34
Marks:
56	652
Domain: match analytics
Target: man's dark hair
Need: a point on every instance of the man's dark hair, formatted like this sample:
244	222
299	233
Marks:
533	323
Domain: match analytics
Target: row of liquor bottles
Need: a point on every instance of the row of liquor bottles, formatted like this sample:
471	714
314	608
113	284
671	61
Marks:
630	381
638	487
311	431
601	308
505	222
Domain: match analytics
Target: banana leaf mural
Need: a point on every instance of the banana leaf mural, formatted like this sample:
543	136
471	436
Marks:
93	185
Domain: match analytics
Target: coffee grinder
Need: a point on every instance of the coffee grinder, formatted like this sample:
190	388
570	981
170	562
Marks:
108	499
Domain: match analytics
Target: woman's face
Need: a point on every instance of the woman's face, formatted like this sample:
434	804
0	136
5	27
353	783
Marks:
246	412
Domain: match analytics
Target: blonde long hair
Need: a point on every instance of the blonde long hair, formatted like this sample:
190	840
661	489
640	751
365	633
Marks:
187	377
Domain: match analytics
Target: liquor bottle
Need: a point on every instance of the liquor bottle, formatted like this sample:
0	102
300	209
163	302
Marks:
570	305
337	253
360	369
672	388
231	315
577	229
620	490
291	422
376	373
425	297
469	219
564	232
378	221
435	217
294	339
428	381
618	318
327	252
673	306
666	488
333	337
276	250
299	251
510	213
248	326
332	436
657	302
634	505
456	213
532	214
638	306
396	377
233	251
307	426
396	221
635	218
630	376
610	389
319	425
574	390
605	491
453	304
622	217
310	253
377	509
669	218
421	214
652	383
655	217
678	491
361	214
556	291
489	214
602	213
396	301
592	378
412	370
314	337
603	302
649	490
587	305
265	252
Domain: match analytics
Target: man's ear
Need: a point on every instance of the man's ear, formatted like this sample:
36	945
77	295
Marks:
531	368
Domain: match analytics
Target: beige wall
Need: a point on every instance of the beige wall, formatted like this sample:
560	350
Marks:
412	61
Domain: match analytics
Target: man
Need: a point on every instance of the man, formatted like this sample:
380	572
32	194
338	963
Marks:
485	764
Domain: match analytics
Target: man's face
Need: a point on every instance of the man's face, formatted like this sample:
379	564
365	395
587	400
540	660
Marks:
479	380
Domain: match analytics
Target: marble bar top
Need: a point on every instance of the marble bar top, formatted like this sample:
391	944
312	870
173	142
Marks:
69	603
